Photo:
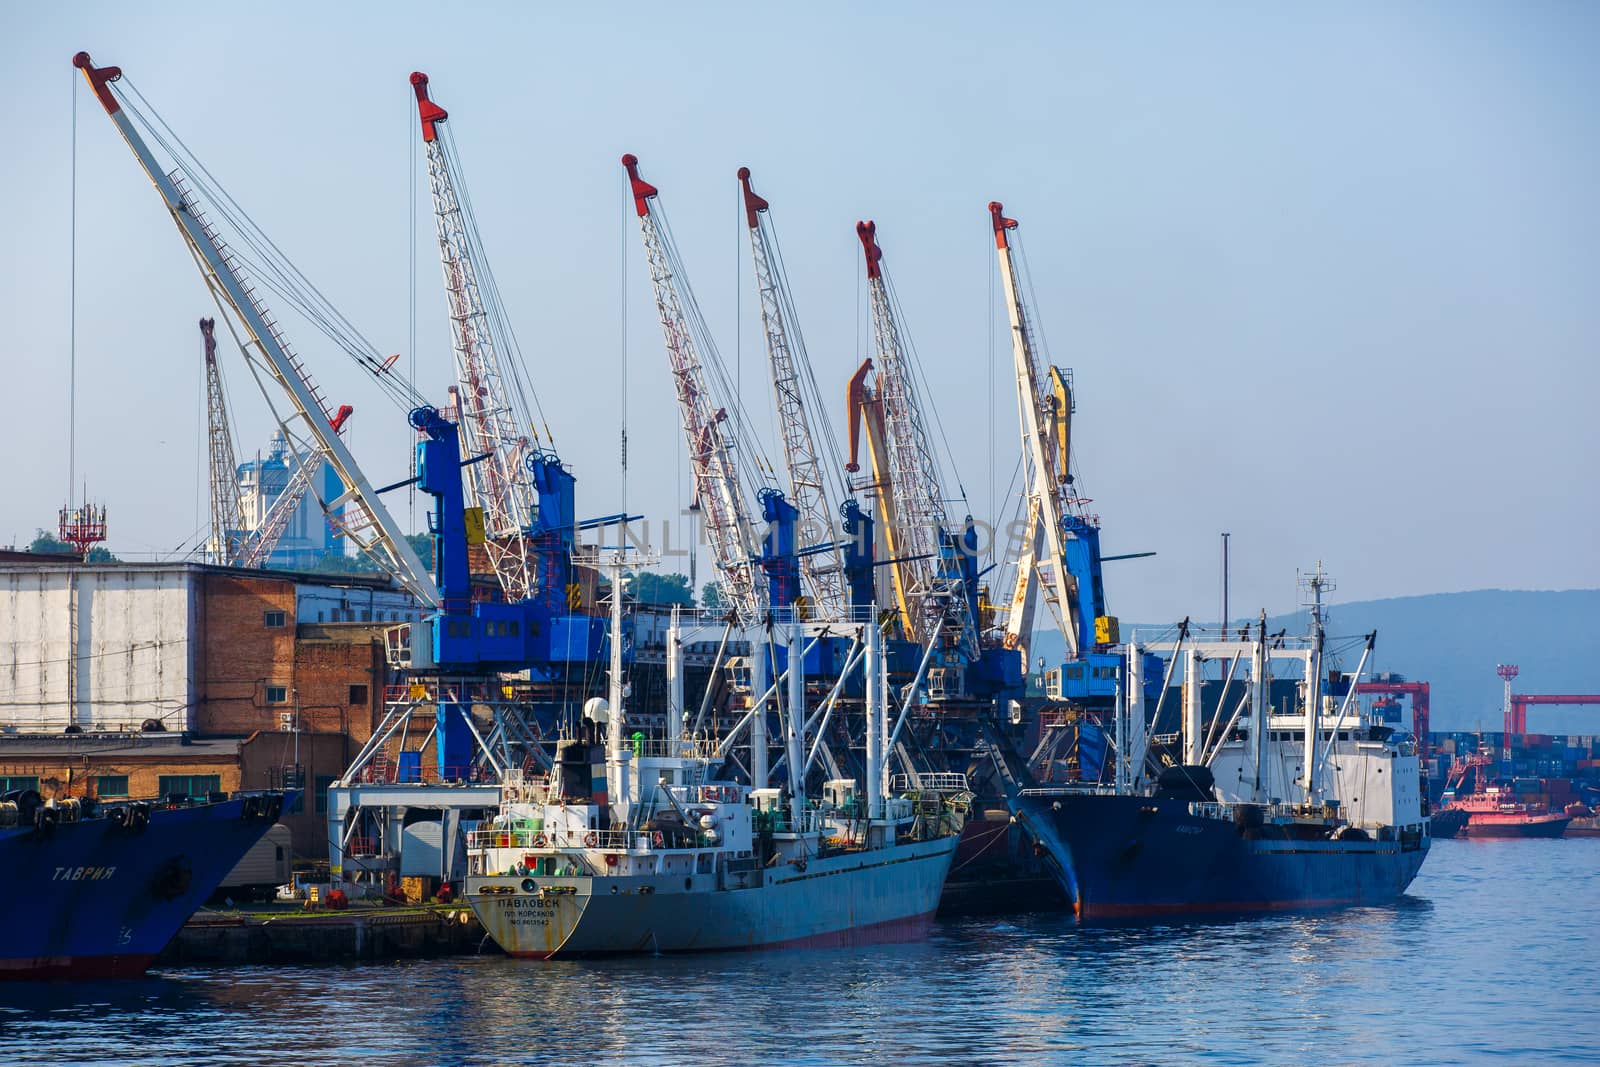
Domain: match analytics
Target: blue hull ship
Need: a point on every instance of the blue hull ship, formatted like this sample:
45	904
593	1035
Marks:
97	890
1125	857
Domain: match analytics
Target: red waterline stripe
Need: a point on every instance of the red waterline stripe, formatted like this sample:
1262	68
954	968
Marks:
76	967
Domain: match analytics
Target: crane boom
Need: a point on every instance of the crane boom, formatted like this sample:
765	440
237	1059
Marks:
1044	410
370	525
927	577
823	565
491	421
227	510
727	524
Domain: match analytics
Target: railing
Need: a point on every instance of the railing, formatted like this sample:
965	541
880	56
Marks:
1072	789
938	781
538	839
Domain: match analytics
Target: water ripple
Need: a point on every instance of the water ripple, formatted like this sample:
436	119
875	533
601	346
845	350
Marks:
1486	959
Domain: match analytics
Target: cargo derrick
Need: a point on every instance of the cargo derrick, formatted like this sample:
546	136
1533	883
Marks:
822	559
704	415
1059	553
495	417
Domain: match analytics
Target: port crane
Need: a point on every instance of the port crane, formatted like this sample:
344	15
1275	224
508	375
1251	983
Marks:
492	394
933	572
1059	552
704	414
822	560
364	520
455	658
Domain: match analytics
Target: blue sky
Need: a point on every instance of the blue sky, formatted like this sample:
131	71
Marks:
1324	273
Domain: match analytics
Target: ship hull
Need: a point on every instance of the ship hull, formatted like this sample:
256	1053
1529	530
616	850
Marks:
94	900
1490	825
855	898
1125	857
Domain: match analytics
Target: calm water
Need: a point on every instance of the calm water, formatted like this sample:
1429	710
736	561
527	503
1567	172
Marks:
1492	956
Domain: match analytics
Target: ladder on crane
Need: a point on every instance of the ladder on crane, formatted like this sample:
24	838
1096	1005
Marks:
364	518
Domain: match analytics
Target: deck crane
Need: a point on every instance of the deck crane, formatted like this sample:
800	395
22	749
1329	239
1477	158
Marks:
726	522
933	573
494	416
366	522
227	512
823	561
1060	549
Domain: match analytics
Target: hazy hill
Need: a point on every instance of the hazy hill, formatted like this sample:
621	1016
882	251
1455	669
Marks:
1454	641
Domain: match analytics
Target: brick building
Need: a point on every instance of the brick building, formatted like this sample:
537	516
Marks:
143	679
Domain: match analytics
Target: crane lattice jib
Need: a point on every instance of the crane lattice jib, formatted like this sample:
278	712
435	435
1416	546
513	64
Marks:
919	493
256	549
1043	482
367	523
824	568
227	510
716	479
489	421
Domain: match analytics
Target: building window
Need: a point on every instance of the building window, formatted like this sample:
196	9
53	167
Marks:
19	781
277	694
358	694
274	620
111	785
323	782
189	785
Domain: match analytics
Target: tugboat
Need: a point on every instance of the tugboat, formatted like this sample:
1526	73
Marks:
1492	811
95	890
634	844
1317	808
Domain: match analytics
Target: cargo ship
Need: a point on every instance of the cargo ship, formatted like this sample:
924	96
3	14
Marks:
1318	808
637	845
95	890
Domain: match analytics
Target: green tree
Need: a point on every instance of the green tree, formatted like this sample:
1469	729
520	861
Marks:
339	563
650	587
422	545
49	543
711	598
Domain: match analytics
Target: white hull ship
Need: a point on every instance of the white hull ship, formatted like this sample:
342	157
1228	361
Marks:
631	846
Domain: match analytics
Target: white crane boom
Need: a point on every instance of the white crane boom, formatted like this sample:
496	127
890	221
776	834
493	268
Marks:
1044	412
727	523
368	524
823	563
492	421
